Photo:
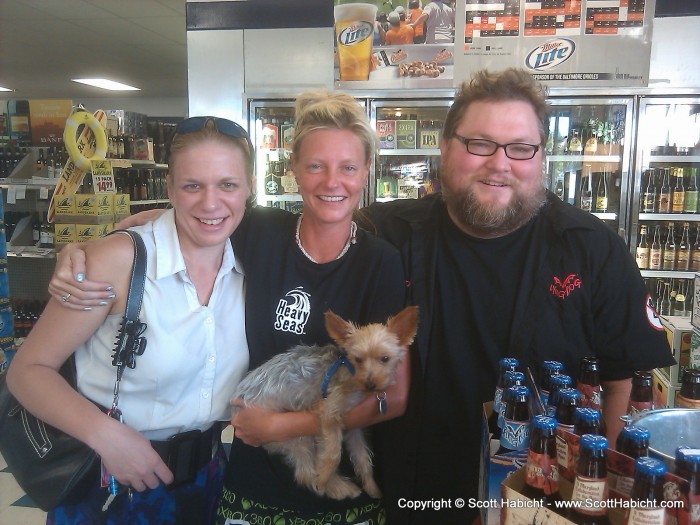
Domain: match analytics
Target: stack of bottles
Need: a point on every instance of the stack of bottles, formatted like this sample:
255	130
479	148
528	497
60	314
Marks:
568	442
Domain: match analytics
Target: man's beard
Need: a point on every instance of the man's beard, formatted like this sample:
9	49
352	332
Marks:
488	221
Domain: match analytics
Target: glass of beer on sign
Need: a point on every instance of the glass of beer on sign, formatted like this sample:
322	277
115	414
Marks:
354	32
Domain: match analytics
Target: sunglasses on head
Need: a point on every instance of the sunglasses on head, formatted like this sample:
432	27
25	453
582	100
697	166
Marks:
222	125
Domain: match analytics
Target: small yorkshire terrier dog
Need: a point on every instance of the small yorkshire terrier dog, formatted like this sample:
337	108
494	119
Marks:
329	381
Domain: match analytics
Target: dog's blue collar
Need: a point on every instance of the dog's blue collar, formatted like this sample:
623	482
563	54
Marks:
342	360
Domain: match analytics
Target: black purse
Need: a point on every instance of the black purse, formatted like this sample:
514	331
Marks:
51	466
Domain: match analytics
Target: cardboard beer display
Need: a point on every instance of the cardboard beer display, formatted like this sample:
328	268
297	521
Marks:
90	145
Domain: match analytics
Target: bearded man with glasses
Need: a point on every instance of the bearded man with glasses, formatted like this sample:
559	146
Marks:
499	266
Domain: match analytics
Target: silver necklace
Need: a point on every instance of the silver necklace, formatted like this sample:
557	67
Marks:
352	239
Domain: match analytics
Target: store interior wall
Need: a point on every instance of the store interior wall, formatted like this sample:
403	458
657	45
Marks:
287	61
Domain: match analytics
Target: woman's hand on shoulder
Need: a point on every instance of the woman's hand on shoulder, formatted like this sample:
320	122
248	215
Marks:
69	284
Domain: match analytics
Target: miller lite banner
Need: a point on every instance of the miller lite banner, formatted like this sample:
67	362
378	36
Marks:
563	43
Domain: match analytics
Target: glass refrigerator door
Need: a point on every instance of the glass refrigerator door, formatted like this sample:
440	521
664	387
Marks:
666	236
408	159
587	163
271	124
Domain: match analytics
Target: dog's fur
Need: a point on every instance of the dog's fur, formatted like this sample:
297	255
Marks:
293	381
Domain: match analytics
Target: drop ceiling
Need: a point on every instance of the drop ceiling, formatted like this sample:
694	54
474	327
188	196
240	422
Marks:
45	43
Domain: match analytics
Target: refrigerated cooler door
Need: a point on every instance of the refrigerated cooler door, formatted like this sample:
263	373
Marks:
408	159
665	202
587	162
271	125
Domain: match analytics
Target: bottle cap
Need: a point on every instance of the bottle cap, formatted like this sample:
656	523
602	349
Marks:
691	375
650	466
593	442
568	394
513	377
635	434
641	378
543	422
688	455
560	380
551	366
589	363
508	362
518	392
586	414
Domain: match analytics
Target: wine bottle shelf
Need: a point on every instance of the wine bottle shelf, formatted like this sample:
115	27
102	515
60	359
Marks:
671	217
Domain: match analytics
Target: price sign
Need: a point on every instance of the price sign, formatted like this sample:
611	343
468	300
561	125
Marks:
103	177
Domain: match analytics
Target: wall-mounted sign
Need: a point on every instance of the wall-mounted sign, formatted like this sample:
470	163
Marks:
581	43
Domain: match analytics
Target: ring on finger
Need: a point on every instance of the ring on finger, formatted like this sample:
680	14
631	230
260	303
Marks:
65	298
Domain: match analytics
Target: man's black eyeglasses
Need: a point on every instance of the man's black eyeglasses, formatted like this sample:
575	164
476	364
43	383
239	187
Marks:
486	148
222	125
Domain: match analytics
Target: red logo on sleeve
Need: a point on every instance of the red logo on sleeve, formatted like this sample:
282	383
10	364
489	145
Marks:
652	316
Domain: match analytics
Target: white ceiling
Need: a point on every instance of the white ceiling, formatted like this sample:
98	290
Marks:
45	43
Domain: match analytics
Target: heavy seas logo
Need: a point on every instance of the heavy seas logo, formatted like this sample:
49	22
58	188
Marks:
550	54
293	311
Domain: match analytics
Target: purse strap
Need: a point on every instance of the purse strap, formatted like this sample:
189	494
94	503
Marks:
130	343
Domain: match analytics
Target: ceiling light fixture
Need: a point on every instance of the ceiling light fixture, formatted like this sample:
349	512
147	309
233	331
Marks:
104	83
5	89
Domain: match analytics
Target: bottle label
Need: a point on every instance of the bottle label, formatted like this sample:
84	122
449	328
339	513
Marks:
601	204
645	516
565	457
678	201
515	434
587	491
586	202
655	259
542	472
643	258
691	202
635	407
649	201
590	395
497	396
686	402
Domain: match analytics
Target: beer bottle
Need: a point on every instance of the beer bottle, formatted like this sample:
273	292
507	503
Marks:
556	383
641	397
567	401
678	307
516	418
664	193
504	364
632	441
683	256
643	249
575	144
678	199
587	189
665	304
689	394
591	482
688	468
648	487
588	383
542	470
512	378
695	253
649	197
587	421
656	252
669	257
548	369
691	192
601	194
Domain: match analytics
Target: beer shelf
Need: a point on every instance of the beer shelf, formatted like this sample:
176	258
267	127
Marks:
150	201
668	274
583	158
31	252
671	217
405	152
674	158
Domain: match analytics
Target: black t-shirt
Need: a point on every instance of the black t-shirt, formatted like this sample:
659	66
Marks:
286	297
475	307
